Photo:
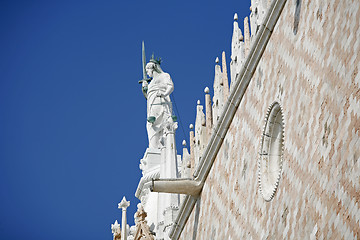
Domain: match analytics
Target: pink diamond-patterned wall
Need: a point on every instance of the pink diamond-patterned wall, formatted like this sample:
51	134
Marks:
311	68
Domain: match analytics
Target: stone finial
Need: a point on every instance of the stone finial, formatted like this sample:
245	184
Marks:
124	204
200	133
192	148
184	143
218	96
186	164
115	228
237	53
208	111
225	80
200	116
235	17
217	60
247	36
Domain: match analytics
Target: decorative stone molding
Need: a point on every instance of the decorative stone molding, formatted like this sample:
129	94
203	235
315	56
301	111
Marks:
142	231
115	229
170	127
271	151
150	160
132	231
171	208
145	182
145	195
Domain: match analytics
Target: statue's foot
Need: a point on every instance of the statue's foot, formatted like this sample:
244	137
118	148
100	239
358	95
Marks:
151	119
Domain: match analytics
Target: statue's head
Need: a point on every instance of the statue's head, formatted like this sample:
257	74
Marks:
151	67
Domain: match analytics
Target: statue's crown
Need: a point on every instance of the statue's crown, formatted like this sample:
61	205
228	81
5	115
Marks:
154	60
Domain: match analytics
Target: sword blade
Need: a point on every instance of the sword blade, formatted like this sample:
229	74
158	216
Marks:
143	61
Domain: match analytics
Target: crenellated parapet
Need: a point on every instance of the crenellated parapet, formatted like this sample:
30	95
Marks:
240	49
258	10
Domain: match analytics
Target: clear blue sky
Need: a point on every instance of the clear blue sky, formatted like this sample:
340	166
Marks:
72	115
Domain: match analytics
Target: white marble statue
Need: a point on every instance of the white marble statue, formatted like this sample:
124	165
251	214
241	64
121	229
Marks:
159	106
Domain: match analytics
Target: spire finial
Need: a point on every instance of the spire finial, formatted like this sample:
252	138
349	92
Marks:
124	204
235	17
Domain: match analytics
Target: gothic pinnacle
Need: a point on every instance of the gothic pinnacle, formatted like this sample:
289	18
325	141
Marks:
225	80
247	36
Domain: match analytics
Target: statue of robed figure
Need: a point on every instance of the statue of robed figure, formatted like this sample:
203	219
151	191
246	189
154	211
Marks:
157	90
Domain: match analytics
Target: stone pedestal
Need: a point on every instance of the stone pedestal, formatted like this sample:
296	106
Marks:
150	166
171	201
162	208
151	161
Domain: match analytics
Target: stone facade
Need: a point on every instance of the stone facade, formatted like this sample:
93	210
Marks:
310	67
274	154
